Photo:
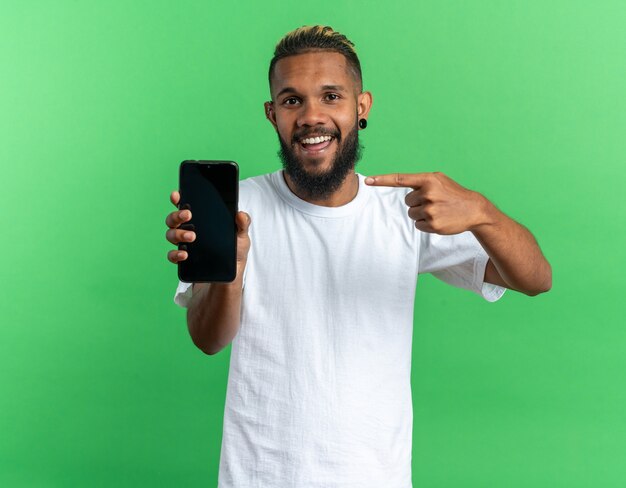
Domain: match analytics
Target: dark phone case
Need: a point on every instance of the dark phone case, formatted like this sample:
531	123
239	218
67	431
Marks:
204	264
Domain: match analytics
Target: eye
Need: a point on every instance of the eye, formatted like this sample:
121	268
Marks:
332	97
290	101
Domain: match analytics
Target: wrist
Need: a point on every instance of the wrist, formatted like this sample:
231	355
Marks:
226	286
241	266
486	214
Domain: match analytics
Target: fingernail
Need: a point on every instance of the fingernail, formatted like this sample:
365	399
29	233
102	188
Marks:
369	180
183	215
188	235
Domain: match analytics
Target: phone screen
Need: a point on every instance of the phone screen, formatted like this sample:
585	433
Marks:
210	190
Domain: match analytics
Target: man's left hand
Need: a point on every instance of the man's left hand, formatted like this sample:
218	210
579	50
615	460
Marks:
437	203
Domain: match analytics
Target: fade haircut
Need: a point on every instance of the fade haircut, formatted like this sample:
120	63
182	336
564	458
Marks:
317	38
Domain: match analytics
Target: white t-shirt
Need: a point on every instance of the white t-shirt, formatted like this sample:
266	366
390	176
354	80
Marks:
319	392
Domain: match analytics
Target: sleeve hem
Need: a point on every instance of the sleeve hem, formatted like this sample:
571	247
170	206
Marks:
488	291
183	294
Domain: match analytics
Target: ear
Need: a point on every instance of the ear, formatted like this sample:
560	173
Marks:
364	103
270	114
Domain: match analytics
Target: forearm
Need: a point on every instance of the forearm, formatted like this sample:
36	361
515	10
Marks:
514	251
213	315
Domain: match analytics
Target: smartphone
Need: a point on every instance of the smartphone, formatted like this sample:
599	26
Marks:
210	190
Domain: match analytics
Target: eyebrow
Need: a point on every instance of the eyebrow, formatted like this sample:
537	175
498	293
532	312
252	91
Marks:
289	89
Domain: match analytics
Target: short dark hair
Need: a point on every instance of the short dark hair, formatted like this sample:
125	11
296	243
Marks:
316	38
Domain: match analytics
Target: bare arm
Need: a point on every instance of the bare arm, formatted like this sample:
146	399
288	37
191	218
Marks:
515	259
213	314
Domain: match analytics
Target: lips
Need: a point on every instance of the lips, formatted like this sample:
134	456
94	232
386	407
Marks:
316	147
315	143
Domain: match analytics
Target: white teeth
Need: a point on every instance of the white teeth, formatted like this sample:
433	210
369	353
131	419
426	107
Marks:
316	140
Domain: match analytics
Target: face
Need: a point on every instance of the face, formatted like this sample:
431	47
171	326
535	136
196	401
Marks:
315	110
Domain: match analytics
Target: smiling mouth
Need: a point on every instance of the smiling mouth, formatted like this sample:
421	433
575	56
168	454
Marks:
315	144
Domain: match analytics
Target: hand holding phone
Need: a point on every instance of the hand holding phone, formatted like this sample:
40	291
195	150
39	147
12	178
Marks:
213	240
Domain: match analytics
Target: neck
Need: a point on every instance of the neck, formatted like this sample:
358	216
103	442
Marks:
343	195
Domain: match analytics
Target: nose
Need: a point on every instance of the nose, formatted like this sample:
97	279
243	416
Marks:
312	113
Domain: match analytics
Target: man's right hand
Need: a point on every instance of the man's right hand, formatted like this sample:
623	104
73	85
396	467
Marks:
176	235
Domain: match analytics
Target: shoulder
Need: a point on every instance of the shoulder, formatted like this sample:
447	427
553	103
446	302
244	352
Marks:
255	183
386	209
385	196
255	190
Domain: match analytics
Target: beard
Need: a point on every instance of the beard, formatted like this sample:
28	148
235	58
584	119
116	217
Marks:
320	185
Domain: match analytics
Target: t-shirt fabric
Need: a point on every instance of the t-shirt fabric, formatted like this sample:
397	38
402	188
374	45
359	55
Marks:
319	392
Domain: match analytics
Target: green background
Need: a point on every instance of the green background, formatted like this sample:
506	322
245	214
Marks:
524	101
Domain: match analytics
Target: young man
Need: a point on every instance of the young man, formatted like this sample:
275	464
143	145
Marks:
321	313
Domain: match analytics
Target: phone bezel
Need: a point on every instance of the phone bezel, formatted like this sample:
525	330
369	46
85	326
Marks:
212	163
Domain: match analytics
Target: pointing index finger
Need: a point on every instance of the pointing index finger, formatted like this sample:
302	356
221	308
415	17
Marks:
406	180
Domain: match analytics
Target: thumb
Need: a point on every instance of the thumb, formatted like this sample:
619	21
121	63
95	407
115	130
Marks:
243	222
